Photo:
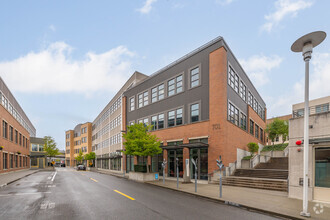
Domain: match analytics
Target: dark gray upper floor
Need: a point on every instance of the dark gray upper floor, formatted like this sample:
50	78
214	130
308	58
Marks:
9	102
199	94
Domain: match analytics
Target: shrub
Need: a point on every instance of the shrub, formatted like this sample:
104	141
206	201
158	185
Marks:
247	157
253	147
276	147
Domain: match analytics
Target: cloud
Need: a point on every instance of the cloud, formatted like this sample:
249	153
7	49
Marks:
52	70
52	27
224	2
318	86
259	66
146	8
284	8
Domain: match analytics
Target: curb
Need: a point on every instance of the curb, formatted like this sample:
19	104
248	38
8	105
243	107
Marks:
10	182
226	202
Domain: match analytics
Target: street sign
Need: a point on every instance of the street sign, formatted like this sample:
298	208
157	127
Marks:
220	165
163	165
156	176
195	164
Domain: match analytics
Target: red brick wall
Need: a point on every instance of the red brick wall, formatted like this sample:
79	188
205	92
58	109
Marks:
11	146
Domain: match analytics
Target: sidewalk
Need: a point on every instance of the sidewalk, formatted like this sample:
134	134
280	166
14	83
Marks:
7	178
266	201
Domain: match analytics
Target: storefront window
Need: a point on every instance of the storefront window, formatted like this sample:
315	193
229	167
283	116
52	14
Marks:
201	154
322	167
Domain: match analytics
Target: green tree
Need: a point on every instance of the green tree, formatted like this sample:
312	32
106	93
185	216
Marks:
253	147
140	142
277	128
90	157
80	157
50	146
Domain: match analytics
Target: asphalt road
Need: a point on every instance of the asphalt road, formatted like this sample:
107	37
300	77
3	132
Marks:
69	194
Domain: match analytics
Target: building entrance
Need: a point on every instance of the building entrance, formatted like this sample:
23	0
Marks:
172	163
322	174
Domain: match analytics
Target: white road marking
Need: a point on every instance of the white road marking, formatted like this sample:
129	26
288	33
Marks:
49	177
22	194
54	176
51	205
47	204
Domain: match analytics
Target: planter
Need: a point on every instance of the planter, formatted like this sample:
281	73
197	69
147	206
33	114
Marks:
142	177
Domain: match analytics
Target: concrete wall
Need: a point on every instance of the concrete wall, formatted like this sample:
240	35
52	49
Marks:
320	130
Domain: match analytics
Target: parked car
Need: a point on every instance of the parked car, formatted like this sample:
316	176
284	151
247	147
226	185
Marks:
81	167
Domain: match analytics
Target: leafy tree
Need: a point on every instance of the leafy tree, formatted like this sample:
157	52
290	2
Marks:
277	128
80	157
140	142
50	146
253	147
90	157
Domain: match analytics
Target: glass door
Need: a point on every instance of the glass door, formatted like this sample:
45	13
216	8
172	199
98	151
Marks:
171	163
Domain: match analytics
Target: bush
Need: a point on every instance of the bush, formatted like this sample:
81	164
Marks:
247	157
276	147
253	147
140	168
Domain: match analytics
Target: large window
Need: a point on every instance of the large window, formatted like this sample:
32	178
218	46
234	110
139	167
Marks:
157	93
4	129
251	127
243	91
16	136
243	121
322	108
157	121
175	85
232	114
5	161
174	117
194	77
143	99
11	133
194	112
233	79
171	119
322	167
256	131
250	99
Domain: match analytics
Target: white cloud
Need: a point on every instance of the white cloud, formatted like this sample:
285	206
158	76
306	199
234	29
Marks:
259	66
223	2
146	8
52	27
318	87
52	70
284	8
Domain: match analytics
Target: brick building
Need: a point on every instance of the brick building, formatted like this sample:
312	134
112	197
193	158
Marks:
16	130
77	140
201	106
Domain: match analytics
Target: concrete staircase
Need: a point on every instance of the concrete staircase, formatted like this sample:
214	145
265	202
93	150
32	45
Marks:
271	175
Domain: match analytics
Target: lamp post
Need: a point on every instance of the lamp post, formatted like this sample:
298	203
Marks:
305	44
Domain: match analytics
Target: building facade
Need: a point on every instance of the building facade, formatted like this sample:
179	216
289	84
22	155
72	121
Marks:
107	130
78	140
16	130
279	139
319	150
201	106
38	155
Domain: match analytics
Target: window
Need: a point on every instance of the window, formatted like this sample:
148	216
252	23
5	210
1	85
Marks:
194	115
243	91
255	105
20	139
154	122
143	99
256	131
277	139
179	116
261	134
194	77
250	99
232	114
233	79
16	136
259	110
11	161
171	119
175	85
243	121
132	104
4	129
160	121
322	108
5	161
251	127
157	93
11	133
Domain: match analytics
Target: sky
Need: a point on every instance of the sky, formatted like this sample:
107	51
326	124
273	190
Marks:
65	60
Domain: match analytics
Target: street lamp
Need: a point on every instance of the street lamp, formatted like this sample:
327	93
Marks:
305	45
